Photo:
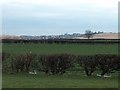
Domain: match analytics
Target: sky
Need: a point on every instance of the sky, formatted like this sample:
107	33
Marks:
48	17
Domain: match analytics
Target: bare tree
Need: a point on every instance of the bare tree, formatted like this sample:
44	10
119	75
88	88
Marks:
88	34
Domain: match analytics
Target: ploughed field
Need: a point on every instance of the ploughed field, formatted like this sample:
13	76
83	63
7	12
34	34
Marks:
71	78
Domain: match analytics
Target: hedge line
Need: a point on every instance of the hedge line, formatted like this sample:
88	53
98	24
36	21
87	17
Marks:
59	63
84	41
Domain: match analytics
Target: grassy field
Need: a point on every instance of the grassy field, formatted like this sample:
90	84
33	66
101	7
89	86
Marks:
68	80
81	49
58	81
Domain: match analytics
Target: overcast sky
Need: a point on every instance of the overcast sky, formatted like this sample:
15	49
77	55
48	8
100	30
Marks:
41	17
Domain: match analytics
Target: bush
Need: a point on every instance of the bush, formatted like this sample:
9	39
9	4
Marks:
23	62
57	63
6	65
5	55
88	63
108	63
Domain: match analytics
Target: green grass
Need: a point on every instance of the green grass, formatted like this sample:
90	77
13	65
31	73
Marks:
68	80
81	49
58	81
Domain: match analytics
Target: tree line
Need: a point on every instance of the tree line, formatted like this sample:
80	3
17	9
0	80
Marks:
84	41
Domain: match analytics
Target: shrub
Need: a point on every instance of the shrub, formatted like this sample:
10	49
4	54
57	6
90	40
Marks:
108	63
6	59
23	62
88	63
5	55
57	63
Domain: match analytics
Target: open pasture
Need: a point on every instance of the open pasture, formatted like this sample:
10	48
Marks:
79	49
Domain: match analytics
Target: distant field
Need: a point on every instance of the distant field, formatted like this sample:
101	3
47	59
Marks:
81	49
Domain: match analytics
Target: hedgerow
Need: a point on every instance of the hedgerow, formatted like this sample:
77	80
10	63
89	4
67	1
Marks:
60	63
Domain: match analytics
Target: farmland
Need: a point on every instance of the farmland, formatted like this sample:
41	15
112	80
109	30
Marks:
70	79
79	49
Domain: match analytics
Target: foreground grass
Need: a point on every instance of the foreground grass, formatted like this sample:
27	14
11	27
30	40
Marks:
58	81
81	49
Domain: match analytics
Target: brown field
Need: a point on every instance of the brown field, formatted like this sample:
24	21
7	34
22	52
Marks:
107	36
103	36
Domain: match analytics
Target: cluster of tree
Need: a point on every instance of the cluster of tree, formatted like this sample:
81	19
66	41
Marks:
89	34
59	63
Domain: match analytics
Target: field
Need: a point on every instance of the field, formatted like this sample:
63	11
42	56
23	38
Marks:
68	80
74	80
79	49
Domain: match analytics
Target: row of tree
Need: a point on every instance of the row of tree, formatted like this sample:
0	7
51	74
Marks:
60	63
